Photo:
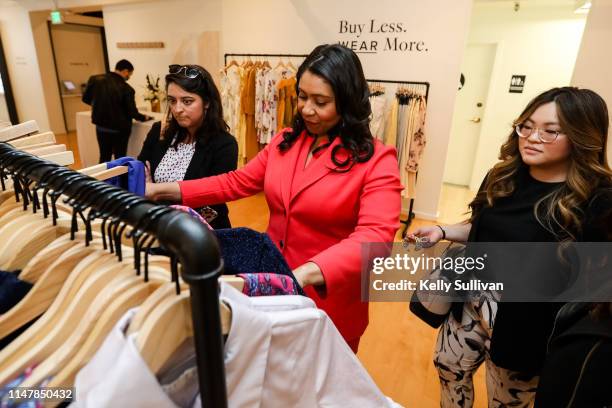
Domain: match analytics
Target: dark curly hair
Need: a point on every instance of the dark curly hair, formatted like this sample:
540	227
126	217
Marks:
341	68
204	86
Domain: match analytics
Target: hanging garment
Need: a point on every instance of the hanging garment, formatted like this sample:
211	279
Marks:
377	123
4	391
134	180
275	355
230	97
270	119
417	147
267	284
12	290
402	127
247	103
287	103
260	91
247	251
244	73
411	118
391	125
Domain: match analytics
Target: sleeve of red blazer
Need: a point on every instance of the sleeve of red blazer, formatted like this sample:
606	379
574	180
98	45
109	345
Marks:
378	221
231	186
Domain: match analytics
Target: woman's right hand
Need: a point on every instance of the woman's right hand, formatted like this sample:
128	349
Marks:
432	233
163	191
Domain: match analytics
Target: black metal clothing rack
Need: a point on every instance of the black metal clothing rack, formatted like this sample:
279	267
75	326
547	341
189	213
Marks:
408	221
387	81
193	244
262	55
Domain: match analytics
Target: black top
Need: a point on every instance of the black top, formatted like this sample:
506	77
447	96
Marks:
521	330
112	102
217	155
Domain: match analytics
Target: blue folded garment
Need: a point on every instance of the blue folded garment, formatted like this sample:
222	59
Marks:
134	180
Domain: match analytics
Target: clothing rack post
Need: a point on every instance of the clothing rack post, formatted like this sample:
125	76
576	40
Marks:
408	221
195	247
262	55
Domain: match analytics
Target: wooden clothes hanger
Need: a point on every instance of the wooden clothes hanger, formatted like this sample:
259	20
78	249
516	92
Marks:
168	323
37	333
42	150
120	305
167	327
124	292
80	292
20	130
280	64
38	239
232	63
43	292
101	172
37	339
34	304
291	66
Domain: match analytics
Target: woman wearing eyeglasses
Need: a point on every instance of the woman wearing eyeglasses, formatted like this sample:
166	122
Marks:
330	186
195	142
552	183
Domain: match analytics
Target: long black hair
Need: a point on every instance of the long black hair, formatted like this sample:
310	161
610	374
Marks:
204	86
341	68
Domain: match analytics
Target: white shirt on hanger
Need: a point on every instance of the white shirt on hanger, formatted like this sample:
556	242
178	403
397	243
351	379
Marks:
280	351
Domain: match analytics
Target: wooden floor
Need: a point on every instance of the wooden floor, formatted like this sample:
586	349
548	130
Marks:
397	347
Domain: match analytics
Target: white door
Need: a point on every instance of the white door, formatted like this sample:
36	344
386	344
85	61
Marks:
467	117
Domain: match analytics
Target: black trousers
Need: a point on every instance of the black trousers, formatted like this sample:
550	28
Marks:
111	142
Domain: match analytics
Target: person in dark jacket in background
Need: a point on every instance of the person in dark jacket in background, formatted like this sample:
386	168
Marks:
194	142
577	369
113	108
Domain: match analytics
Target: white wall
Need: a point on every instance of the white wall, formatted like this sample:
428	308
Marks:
297	26
22	64
280	26
180	24
594	59
540	42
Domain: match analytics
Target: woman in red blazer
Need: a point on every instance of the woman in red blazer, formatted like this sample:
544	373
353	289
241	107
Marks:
329	184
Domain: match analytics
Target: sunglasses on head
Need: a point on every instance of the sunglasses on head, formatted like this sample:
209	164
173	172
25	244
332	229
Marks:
184	70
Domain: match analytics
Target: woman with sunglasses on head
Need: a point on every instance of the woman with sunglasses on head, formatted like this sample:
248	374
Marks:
330	186
194	142
552	184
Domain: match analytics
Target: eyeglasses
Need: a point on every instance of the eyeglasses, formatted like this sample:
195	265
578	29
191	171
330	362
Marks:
544	135
190	72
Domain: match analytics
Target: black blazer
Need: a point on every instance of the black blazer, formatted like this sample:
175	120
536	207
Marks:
112	102
218	155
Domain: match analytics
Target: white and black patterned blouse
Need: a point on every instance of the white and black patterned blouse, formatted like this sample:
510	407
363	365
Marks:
174	164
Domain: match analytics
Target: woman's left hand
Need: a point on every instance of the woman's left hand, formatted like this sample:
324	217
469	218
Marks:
309	274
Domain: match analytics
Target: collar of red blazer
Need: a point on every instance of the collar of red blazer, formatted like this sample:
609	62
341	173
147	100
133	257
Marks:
341	154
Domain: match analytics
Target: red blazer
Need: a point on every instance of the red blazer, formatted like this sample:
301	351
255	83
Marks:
323	218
